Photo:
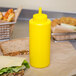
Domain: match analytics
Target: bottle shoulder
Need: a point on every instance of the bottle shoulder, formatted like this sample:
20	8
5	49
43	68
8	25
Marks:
31	21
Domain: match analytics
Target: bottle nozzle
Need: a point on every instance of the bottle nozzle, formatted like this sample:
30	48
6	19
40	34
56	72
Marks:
40	10
40	17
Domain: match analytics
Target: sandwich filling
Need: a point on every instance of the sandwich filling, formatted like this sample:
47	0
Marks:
68	26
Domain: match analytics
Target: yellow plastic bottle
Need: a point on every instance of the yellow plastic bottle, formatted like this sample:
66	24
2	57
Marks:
39	40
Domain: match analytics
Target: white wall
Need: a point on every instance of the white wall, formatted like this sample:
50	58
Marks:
52	5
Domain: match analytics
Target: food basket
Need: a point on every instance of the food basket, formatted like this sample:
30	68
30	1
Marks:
60	33
6	28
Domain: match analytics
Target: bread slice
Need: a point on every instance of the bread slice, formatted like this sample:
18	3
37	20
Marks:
15	47
20	73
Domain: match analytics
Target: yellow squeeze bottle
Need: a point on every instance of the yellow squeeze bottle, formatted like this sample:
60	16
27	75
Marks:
39	40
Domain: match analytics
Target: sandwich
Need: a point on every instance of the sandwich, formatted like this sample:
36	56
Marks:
64	24
64	28
13	66
15	47
1	16
9	15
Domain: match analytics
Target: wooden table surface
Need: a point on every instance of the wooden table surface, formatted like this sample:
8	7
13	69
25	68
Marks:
62	61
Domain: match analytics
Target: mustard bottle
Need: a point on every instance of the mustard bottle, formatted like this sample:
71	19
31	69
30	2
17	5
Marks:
39	40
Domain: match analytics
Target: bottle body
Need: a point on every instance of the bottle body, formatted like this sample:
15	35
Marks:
39	43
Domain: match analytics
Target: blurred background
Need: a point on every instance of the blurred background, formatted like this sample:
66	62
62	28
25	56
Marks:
53	9
49	5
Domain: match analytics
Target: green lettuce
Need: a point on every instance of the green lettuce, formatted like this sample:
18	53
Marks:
12	69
